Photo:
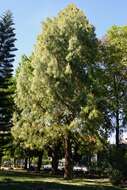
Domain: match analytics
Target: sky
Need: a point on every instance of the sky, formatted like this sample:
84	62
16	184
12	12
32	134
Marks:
29	14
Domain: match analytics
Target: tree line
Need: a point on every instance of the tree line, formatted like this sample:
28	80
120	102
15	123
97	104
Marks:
69	95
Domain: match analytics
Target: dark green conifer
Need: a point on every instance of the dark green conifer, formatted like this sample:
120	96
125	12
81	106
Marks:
7	48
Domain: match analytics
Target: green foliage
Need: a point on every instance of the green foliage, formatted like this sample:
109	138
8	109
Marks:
116	177
26	131
56	86
7	47
53	85
64	59
114	81
63	77
118	161
71	86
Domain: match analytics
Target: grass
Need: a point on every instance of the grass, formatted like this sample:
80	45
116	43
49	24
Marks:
28	181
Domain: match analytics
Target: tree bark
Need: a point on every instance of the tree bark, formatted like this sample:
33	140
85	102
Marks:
25	164
15	165
0	160
39	163
68	161
29	162
116	94
117	129
55	159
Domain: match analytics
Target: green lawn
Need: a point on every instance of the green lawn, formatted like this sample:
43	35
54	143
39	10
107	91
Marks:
27	181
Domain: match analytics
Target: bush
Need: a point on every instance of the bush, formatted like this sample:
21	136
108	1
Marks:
116	177
118	161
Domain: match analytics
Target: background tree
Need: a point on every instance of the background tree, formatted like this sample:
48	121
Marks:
7	47
115	79
27	131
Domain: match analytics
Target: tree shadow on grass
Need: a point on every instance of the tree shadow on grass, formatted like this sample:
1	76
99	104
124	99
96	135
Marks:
9	184
12	180
27	174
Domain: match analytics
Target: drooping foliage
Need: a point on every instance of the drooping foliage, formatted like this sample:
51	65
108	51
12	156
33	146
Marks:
63	79
7	48
72	89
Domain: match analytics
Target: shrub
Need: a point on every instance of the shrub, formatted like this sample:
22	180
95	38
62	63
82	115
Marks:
116	177
118	161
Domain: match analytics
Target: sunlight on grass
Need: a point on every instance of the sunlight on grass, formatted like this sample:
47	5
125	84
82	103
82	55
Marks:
78	182
28	181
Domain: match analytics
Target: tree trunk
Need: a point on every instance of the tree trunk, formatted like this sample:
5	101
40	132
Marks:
39	163
25	164
0	160
68	161
15	165
116	94
55	159
29	162
117	129
89	160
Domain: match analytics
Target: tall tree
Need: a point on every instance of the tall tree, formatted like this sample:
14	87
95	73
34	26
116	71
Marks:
27	131
63	81
7	47
56	88
115	78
